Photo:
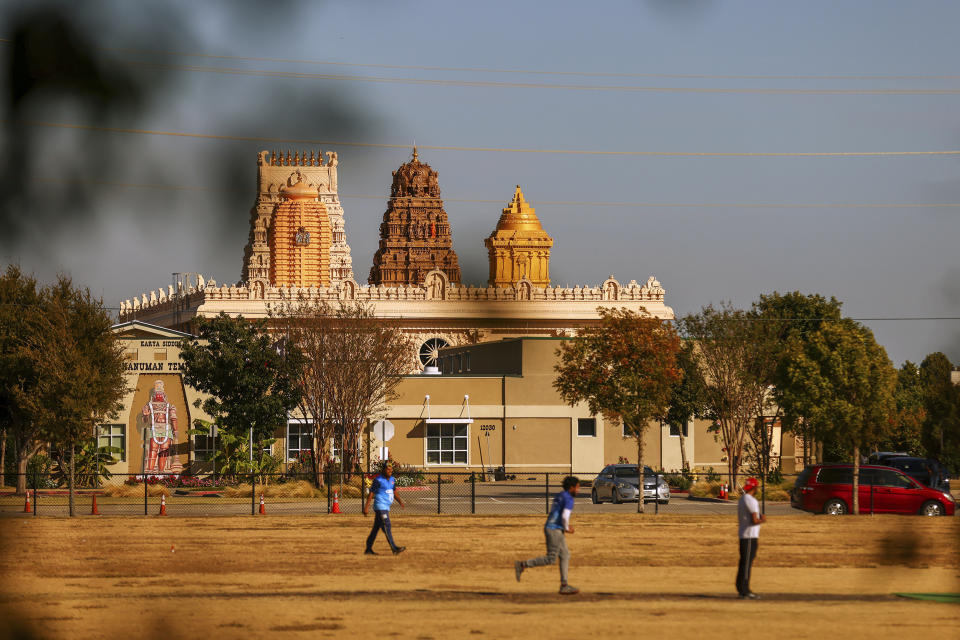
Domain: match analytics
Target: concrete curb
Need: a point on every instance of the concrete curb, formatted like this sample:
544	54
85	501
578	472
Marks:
717	500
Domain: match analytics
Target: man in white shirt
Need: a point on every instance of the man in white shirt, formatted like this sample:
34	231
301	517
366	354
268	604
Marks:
750	519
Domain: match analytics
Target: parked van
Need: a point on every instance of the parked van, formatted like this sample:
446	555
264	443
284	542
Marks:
828	488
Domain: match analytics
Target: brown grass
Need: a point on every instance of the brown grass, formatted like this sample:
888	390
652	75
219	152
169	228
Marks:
135	491
306	577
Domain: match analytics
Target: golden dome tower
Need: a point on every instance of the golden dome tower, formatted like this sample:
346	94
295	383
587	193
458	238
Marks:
519	247
300	239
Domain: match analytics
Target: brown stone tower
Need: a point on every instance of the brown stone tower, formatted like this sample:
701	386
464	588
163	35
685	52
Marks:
415	233
300	239
519	247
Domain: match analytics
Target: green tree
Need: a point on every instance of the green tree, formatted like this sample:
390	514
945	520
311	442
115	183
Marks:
687	396
79	365
905	431
787	318
250	381
941	399
625	369
20	313
842	381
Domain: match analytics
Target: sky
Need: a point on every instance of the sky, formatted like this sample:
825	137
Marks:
610	102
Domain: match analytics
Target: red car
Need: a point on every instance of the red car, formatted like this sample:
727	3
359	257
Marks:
828	488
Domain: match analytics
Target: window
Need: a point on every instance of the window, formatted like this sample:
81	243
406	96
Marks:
299	438
835	475
587	427
446	444
115	436
892	479
674	431
203	448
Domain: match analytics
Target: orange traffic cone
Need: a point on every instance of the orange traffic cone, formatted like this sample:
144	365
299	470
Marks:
722	494
93	509
263	509
26	505
163	505
336	504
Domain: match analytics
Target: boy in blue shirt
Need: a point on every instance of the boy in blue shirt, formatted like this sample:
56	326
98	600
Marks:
382	494
557	525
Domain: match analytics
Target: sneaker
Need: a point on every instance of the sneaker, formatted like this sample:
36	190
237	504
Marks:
369	552
518	569
753	596
567	590
399	550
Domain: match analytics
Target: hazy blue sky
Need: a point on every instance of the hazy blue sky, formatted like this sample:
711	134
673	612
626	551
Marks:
881	262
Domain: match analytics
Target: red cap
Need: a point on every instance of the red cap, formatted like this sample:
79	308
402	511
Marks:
751	484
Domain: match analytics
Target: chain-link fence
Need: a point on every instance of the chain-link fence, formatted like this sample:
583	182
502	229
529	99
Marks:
422	492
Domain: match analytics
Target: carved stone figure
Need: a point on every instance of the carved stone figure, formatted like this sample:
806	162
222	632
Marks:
160	418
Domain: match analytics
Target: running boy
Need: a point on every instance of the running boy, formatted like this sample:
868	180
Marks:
557	525
382	494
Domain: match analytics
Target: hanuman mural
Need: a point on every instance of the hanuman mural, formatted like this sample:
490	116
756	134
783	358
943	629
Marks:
160	418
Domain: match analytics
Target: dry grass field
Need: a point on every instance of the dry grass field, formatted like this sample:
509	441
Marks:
305	577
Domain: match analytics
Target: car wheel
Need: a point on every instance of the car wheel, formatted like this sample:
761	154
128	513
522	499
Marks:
835	507
615	496
931	508
594	497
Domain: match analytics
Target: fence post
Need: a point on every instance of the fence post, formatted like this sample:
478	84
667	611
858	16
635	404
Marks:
656	494
253	493
36	483
327	474
546	491
144	493
438	492
473	492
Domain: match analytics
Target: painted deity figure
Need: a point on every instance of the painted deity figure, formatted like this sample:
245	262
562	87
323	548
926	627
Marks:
161	420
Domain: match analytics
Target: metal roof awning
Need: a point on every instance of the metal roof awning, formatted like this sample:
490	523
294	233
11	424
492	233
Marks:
449	420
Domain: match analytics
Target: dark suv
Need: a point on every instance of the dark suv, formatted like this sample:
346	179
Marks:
828	488
926	471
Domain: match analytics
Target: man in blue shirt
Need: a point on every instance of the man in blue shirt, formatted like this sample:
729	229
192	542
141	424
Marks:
557	525
382	495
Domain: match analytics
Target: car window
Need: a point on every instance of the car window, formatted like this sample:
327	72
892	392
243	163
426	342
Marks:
803	477
893	479
607	472
626	472
868	476
835	475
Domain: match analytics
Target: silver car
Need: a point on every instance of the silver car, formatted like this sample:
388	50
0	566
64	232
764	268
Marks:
620	483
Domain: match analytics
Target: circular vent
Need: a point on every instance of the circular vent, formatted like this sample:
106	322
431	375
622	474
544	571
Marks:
430	351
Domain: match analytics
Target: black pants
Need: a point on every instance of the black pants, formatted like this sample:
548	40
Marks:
748	551
381	520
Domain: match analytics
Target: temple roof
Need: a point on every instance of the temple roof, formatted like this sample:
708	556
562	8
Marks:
519	216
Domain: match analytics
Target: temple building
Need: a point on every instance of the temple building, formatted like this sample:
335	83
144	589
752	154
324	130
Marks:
298	249
415	233
489	402
519	247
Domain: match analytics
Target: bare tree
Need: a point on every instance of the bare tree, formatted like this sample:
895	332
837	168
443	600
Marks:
354	361
728	354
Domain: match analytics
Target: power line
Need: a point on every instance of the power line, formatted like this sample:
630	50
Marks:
301	75
571	203
584	152
602	74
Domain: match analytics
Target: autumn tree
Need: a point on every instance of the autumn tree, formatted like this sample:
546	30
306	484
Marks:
79	370
624	369
907	425
353	364
251	383
843	383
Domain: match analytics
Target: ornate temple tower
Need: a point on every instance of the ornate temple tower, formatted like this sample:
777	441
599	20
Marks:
300	239
519	247
274	172
415	233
